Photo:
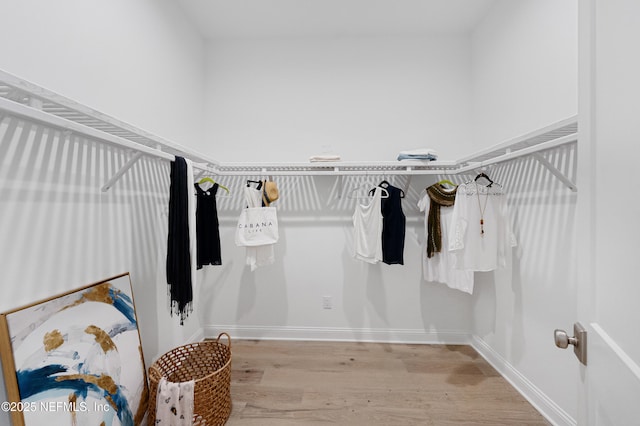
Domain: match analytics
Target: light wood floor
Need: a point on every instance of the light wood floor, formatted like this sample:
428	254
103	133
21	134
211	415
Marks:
301	383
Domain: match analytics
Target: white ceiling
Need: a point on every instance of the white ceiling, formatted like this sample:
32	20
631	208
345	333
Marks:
311	18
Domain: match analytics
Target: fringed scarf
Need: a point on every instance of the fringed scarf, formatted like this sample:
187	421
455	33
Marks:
178	247
439	197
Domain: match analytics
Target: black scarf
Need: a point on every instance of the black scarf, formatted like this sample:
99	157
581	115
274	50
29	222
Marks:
178	250
439	197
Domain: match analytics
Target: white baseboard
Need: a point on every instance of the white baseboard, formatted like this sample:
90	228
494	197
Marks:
549	409
339	334
198	336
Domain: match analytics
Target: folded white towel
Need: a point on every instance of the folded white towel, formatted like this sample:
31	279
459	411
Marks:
174	406
324	157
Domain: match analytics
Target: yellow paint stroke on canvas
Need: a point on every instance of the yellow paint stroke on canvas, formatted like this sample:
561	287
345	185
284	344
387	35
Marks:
104	382
102	338
99	293
52	340
73	399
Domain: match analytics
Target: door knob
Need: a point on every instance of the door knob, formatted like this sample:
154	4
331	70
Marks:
579	341
563	340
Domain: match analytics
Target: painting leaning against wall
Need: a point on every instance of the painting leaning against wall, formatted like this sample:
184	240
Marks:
76	358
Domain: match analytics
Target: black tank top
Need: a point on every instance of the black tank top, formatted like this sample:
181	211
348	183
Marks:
393	225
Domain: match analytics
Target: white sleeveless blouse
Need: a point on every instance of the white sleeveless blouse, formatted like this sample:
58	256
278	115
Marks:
367	226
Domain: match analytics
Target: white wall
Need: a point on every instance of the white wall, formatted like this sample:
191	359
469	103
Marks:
106	56
140	62
313	259
524	77
60	232
365	98
137	61
525	65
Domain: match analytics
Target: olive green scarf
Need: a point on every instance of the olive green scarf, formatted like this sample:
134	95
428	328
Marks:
439	197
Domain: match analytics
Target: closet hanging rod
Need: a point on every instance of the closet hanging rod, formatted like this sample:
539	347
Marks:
520	153
389	168
25	112
554	131
327	173
335	169
532	150
24	92
283	218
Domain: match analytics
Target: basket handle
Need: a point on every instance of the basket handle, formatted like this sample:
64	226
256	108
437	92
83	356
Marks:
228	339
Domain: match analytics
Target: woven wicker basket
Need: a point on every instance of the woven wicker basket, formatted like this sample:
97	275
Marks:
208	363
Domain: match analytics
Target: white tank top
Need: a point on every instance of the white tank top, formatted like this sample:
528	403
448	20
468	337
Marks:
367	226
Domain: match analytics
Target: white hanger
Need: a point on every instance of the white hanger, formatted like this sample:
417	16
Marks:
367	187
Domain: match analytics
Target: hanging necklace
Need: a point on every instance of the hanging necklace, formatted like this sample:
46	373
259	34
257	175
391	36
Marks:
482	209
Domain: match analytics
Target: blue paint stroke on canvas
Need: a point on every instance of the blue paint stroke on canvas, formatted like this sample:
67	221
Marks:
123	303
41	381
121	328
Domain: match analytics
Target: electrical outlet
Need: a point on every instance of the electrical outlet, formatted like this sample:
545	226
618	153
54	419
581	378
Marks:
327	303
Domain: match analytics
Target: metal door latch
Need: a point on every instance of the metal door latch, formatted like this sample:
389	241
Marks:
579	341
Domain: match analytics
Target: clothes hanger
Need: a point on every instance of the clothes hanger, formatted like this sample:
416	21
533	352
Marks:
385	184
484	175
213	182
353	193
491	182
368	192
446	182
258	182
385	193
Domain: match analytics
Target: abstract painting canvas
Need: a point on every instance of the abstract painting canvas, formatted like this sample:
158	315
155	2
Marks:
75	359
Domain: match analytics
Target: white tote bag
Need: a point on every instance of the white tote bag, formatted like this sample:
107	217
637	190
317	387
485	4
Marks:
257	226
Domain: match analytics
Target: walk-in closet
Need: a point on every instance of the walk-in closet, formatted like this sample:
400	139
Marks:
389	212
